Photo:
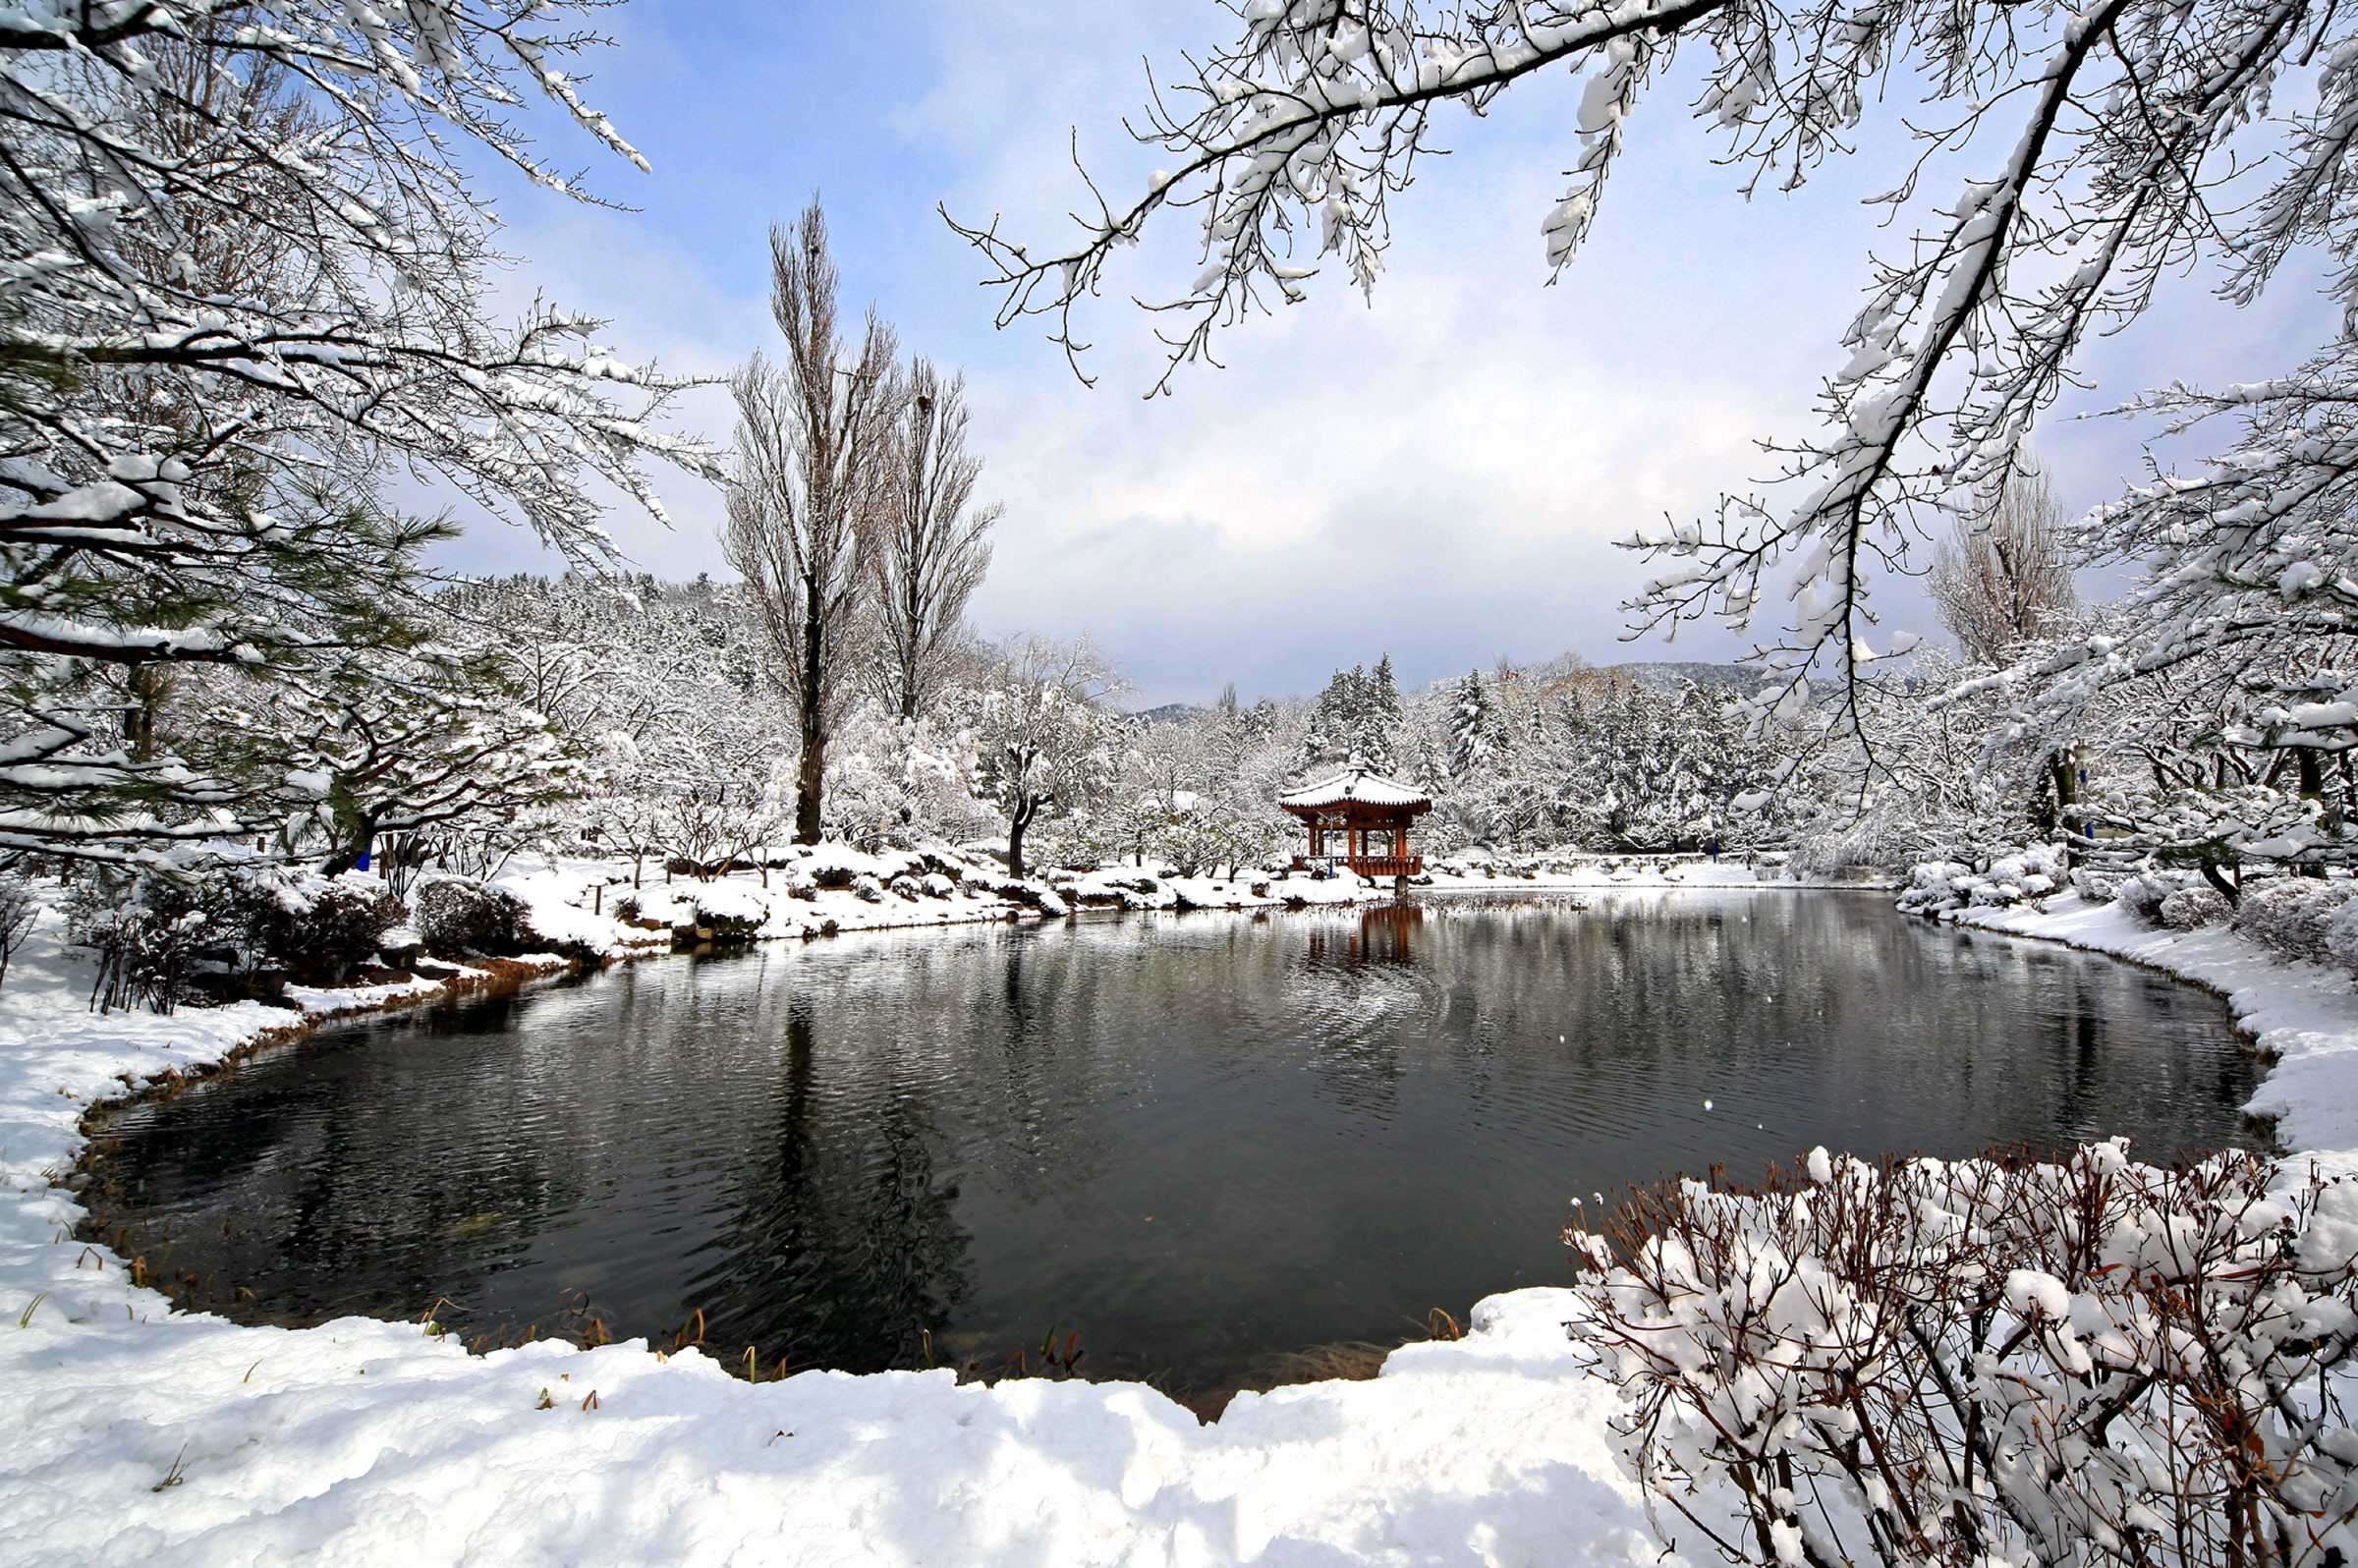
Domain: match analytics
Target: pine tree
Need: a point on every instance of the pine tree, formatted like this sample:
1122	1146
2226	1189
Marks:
1376	733
1470	719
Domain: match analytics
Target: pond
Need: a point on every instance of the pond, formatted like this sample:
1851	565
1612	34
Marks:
1195	1140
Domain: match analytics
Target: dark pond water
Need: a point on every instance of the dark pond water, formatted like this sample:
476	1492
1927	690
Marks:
1196	1140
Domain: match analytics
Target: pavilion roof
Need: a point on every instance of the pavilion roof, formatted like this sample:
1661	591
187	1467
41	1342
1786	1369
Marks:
1360	786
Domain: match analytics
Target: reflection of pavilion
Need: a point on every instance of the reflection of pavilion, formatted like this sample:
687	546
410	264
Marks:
1361	819
1382	939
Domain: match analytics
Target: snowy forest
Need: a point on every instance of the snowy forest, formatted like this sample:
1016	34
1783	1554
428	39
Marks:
245	299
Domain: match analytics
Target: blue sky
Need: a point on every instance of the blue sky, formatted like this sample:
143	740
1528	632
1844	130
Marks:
1437	474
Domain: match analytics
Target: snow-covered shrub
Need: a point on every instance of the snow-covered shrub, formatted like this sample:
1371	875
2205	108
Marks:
2096	887
2341	937
732	913
2190	908
1934	887
19	907
458	915
315	927
2110	1350
2141	896
2289	915
147	934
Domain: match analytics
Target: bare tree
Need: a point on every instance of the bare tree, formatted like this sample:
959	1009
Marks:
1046	738
2102	141
932	553
810	489
2001	582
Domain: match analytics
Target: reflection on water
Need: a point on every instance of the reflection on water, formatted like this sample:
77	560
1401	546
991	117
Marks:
1196	1140
1383	936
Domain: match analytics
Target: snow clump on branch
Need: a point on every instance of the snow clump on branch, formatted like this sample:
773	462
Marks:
1999	1359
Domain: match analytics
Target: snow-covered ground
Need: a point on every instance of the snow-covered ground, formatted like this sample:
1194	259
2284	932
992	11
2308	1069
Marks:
129	1432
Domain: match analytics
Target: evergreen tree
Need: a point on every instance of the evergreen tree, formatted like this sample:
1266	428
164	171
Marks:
1472	721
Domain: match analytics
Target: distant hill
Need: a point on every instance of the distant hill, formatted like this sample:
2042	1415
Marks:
1666	675
1168	714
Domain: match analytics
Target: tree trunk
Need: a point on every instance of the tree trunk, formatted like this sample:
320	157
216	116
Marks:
2313	788
912	616
2067	795
806	820
147	684
811	777
1017	820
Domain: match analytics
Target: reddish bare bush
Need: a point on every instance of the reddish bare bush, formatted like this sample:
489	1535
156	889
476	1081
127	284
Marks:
1990	1361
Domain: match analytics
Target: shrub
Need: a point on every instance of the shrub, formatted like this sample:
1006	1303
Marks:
2190	908
2093	887
319	928
1989	1360
2289	915
2341	937
146	932
731	913
457	916
1934	887
2142	896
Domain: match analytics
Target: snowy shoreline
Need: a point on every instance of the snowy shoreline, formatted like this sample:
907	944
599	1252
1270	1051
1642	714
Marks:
142	1431
2302	1019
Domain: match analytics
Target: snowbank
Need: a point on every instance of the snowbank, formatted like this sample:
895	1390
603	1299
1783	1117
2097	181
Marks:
823	889
1539	873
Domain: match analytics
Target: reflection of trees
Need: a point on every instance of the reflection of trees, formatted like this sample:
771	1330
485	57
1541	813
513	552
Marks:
843	1248
1828	1003
290	1181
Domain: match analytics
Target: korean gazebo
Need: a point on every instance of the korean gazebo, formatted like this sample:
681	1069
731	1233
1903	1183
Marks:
1361	819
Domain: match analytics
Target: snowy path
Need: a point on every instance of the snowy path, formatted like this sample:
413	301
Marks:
129	1433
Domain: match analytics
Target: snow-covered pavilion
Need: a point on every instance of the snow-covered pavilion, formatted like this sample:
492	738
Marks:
1359	818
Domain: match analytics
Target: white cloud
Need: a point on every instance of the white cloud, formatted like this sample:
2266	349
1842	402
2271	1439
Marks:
1437	474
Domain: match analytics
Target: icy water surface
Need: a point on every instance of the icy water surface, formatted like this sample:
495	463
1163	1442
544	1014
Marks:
1196	1140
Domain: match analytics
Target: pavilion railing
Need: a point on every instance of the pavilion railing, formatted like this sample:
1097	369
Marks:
1373	866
